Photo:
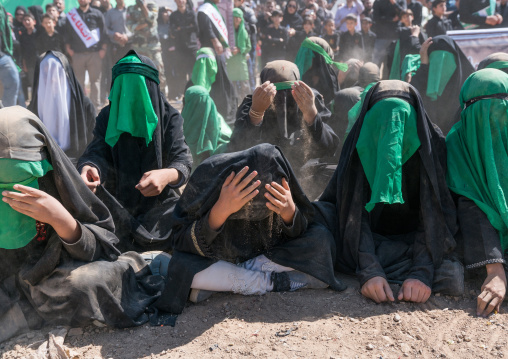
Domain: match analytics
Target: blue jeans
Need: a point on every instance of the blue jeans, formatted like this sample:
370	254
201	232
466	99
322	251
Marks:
9	77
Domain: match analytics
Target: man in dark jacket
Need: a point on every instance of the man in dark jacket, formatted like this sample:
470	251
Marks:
439	24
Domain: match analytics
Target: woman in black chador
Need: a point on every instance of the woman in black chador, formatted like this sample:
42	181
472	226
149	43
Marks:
135	166
388	205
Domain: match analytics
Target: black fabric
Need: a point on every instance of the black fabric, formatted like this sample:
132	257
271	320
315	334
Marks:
384	13
350	46
207	31
409	45
437	26
294	21
37	12
50	43
81	111
142	223
400	241
468	10
28	43
443	111
343	102
416	7
369	40
480	241
295	42
274	43
183	29
252	231
498	56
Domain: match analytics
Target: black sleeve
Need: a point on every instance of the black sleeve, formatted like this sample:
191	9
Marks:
423	267
420	78
298	226
378	14
417	14
481	241
467	9
86	248
245	134
368	262
176	153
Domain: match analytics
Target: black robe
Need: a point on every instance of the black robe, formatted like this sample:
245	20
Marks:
81	111
397	241
252	231
51	282
443	111
142	223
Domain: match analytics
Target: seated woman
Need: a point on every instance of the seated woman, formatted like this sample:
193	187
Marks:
286	112
59	261
138	157
443	70
317	68
498	60
243	224
388	205
212	75
477	172
205	130
60	102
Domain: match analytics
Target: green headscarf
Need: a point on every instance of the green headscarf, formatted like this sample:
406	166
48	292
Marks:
410	64
5	31
388	138
307	51
395	70
442	65
285	85
131	109
477	148
353	114
498	65
205	68
17	229
242	40
204	128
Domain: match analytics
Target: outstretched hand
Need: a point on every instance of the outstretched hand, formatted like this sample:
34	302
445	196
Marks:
281	201
236	191
44	208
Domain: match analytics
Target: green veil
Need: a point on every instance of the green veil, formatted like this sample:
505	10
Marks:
442	65
307	51
478	147
388	138
205	68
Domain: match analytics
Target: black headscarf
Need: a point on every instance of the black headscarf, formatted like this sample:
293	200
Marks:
442	111
498	56
81	111
294	21
15	23
322	76
141	222
37	12
343	201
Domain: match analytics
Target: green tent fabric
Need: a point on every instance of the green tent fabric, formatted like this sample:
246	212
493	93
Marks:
353	114
410	64
388	138
131	110
204	128
17	229
237	64
205	68
498	65
442	65
307	51
477	148
395	70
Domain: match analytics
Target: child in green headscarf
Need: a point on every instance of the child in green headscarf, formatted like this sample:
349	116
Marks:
238	71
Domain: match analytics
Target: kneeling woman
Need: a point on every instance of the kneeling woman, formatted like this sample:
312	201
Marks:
388	204
51	227
243	224
478	172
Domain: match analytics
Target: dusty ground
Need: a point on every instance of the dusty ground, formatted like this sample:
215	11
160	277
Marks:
304	324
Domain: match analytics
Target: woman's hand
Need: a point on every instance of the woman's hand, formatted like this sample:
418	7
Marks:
493	290
281	201
43	208
304	98
424	51
90	176
153	182
236	191
378	290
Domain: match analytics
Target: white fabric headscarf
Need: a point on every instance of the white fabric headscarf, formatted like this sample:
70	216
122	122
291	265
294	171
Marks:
54	100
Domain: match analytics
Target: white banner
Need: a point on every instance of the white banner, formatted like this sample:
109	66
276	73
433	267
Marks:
88	37
216	19
478	44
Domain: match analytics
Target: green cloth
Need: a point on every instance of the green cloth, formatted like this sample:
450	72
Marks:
442	65
237	64
17	229
286	85
498	65
477	148
307	51
5	31
395	70
204	128
353	114
205	68
131	110
388	138
410	64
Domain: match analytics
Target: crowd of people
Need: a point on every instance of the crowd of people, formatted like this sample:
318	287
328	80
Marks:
116	207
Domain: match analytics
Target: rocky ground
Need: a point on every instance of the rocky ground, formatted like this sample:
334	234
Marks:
303	324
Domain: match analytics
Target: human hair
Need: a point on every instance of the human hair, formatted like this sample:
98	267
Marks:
352	17
50	6
47	16
327	21
308	20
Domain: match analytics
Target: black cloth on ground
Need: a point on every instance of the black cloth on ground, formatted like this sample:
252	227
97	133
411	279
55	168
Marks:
252	231
364	245
142	223
81	111
443	111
